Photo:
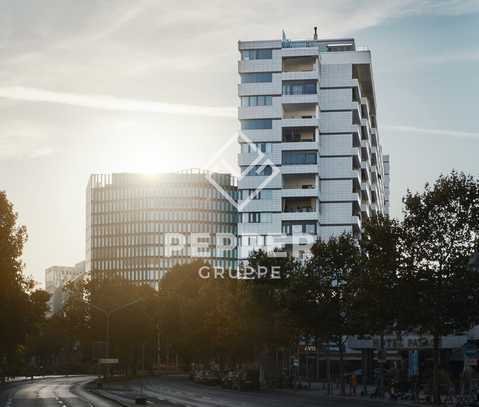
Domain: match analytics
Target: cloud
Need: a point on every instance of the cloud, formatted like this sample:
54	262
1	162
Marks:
461	56
437	132
19	140
106	102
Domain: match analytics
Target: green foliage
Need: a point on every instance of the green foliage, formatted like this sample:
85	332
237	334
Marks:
404	275
322	292
378	298
23	308
441	233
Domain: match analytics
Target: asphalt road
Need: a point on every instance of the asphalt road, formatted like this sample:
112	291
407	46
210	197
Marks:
52	392
181	391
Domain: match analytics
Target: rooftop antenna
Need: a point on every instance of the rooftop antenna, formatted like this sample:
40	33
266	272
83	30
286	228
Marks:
315	36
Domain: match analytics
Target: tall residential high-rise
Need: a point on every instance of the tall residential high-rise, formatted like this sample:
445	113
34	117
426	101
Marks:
139	226
309	109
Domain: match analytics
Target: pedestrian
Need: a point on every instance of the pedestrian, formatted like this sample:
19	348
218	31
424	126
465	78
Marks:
354	383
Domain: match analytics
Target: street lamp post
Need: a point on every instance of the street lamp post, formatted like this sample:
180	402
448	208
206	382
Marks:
108	314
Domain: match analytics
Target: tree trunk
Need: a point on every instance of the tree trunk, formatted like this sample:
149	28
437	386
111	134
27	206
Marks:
382	361
328	370
341	367
435	374
365	371
316	375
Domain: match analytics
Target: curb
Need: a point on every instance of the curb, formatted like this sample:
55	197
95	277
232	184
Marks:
109	397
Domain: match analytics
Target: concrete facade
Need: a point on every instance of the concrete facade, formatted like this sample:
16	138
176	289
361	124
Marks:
309	109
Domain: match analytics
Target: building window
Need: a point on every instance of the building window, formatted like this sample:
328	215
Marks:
299	157
290	228
256	148
257	171
256	124
251	217
251	54
299	88
256	77
253	194
260	100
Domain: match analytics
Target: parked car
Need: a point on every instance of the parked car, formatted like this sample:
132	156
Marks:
197	375
228	379
246	380
210	377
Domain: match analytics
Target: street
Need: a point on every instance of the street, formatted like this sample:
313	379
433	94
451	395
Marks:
179	390
52	392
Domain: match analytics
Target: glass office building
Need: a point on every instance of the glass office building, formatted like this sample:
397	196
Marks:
139	226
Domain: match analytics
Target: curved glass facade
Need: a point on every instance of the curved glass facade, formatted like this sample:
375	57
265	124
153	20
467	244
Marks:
139	226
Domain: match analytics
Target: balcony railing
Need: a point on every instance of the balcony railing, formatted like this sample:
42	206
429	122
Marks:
296	210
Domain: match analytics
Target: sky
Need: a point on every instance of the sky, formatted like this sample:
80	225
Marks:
98	86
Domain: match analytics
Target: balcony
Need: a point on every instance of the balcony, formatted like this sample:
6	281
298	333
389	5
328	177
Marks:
300	192
300	68
300	216
302	205
300	112
300	169
302	87
299	181
298	122
298	134
299	157
297	186
299	64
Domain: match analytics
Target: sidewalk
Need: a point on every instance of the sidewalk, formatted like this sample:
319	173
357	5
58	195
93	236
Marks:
321	389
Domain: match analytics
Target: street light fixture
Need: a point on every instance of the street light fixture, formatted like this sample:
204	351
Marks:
108	314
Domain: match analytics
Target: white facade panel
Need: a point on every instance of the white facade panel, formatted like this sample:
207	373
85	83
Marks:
336	144
252	182
335	99
335	75
336	167
336	122
337	190
336	213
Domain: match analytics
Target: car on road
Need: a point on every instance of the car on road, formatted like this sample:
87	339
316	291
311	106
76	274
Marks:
246	380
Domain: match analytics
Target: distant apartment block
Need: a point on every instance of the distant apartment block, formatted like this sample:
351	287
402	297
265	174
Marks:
309	107
56	278
133	220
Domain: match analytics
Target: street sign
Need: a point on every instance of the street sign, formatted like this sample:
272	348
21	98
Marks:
108	361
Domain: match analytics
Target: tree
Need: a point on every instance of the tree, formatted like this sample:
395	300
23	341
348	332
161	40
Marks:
378	298
22	306
118	317
441	232
322	292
